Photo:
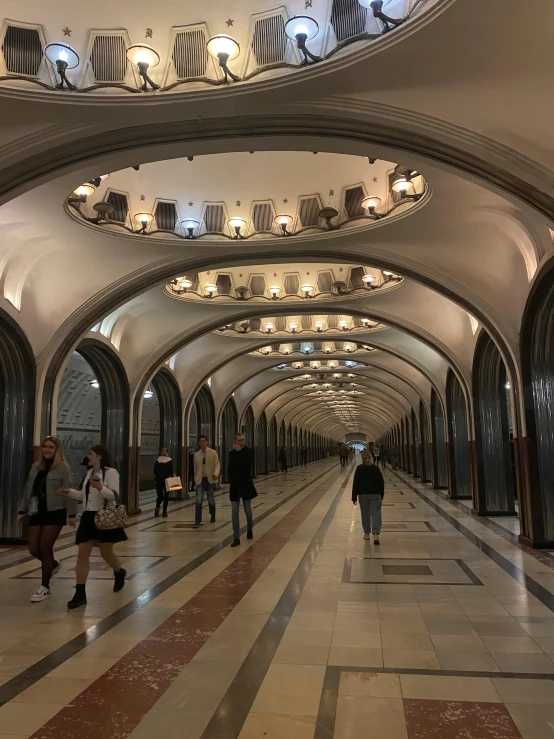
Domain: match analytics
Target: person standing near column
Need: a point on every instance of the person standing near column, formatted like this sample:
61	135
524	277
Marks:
206	475
369	488
241	486
383	456
283	459
304	456
163	468
47	513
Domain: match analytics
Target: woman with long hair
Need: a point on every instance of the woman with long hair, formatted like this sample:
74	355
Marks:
368	488
47	513
99	488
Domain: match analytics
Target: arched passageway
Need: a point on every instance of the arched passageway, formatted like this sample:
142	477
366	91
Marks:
261	445
458	445
440	458
415	445
17	392
426	445
228	427
272	445
150	439
495	471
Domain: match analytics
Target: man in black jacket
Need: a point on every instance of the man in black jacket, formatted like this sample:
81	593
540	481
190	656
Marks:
369	488
241	486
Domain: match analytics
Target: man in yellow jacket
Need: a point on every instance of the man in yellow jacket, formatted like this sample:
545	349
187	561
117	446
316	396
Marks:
206	475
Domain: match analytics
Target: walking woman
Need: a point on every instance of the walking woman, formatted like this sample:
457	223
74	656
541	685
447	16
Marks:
369	488
47	512
99	488
163	468
283	459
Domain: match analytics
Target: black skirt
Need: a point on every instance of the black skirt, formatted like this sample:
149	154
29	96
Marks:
49	518
87	531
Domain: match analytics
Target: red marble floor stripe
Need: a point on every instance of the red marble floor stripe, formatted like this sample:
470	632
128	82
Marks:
543	558
114	704
432	719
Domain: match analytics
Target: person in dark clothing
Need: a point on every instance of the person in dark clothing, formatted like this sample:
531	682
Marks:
283	459
163	468
46	512
304	456
369	488
383	456
343	455
241	487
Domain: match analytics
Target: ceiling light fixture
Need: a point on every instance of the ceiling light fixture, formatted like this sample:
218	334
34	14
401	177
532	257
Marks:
241	291
224	48
190	226
376	6
81	193
319	326
344	325
302	28
63	57
184	284
269	327
144	219
283	221
371	203
275	290
95	384
328	214
148	394
144	57
236	224
293	326
211	290
306	289
405	187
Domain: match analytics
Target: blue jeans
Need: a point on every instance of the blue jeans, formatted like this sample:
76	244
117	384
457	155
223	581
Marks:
370	508
208	487
247	505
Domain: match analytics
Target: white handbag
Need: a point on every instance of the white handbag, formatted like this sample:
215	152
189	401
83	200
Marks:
173	483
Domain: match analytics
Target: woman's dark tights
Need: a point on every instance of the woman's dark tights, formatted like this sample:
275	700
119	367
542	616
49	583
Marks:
41	540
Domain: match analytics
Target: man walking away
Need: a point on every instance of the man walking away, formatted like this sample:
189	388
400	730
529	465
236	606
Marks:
241	486
304	456
383	456
206	475
343	455
163	468
376	454
368	488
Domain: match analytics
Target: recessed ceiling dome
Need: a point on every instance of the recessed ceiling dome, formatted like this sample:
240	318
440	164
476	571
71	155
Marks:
319	350
302	325
247	195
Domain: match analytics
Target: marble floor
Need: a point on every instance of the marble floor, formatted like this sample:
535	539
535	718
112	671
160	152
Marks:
444	630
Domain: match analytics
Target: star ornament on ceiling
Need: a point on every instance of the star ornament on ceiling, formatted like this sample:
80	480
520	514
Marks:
66	31
285	200
229	22
191	203
375	179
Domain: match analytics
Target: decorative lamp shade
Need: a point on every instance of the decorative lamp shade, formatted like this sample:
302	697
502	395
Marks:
275	289
223	44
185	283
190	223
306	288
301	25
86	189
372	201
211	289
365	3
269	326
237	222
143	54
343	324
283	220
58	52
368	279
402	185
293	326
318	324
144	218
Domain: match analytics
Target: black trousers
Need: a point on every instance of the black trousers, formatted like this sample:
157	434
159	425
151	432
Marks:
284	467
163	495
343	461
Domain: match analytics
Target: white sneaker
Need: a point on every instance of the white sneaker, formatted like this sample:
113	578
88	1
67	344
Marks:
40	594
367	537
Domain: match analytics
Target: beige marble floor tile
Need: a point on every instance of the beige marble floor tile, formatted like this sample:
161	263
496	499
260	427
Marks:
307	638
315	622
361	639
356	657
512	644
458	643
302	655
407	641
356	716
26	718
84	668
524	663
273	726
309	676
403	626
172	724
525	691
467	661
189	696
533	721
355	623
411	658
534	629
53	690
448	688
201	673
370	684
292	700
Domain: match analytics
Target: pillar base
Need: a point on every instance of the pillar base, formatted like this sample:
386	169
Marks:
13	540
536	544
493	513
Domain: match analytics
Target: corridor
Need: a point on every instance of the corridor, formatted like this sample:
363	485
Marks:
445	630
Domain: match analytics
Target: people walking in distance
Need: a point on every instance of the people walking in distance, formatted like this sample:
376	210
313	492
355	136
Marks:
383	456
241	486
304	456
100	487
206	475
343	455
283	459
350	454
368	488
376	454
393	457
163	468
46	512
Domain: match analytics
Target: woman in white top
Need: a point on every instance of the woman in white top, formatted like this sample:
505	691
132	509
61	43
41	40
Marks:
99	488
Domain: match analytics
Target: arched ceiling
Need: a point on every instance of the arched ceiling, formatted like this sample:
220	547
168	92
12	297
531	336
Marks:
462	257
